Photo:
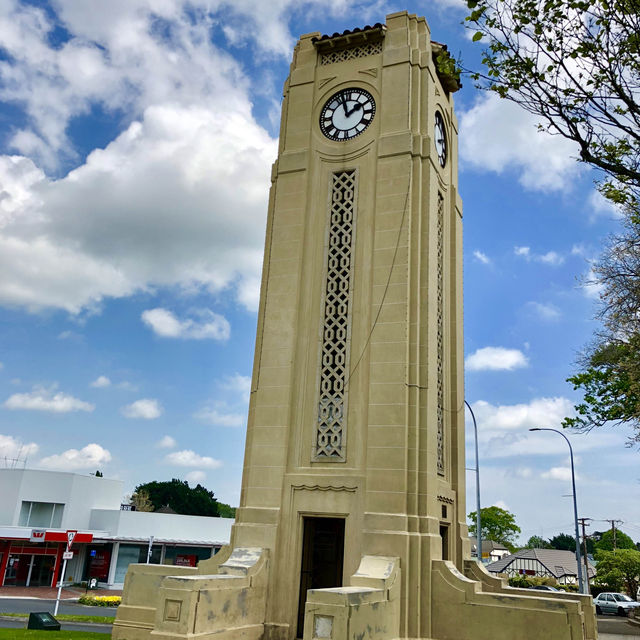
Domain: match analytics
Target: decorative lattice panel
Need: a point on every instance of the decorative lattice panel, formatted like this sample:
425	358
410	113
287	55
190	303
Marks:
440	334
330	435
350	54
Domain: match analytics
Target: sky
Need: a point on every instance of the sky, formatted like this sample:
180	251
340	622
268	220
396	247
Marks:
136	143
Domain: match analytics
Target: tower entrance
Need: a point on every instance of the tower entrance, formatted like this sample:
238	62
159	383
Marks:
322	559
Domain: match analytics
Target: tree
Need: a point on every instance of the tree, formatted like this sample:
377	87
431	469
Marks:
183	499
563	541
537	542
497	524
623	541
140	500
618	570
576	65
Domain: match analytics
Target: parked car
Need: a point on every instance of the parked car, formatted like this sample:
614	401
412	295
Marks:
545	587
616	603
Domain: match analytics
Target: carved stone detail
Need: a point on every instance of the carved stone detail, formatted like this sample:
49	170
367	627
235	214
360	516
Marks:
440	334
349	54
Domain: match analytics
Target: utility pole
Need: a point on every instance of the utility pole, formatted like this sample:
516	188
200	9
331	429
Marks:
583	523
613	531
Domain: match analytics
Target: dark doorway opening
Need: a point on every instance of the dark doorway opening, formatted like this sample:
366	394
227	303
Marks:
322	558
444	535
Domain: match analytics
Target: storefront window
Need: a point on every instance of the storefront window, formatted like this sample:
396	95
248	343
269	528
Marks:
186	556
127	554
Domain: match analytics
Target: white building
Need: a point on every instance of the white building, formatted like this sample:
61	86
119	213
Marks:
39	508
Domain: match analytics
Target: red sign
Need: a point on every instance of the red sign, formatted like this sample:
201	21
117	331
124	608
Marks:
186	560
61	536
37	535
71	534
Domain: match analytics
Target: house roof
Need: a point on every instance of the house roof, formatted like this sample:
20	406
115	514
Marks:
558	563
488	545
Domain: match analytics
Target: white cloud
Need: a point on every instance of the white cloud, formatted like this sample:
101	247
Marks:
603	207
220	418
481	257
13	449
195	477
89	457
544	311
558	473
101	382
188	458
146	408
552	258
166	442
205	325
238	384
497	135
496	358
47	399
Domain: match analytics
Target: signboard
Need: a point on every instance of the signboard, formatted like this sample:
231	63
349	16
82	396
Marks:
38	535
67	555
186	560
70	536
61	536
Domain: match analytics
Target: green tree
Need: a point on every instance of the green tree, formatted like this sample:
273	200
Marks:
182	498
226	511
537	542
575	64
623	541
563	541
497	524
619	570
140	500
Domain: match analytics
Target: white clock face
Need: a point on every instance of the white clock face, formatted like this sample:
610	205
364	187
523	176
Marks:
440	138
347	114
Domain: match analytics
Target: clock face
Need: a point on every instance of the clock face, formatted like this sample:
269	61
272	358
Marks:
347	114
440	138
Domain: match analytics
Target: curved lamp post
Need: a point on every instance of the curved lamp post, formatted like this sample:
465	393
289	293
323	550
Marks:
575	506
478	519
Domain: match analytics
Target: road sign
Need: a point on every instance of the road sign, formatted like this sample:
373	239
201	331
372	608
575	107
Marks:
70	536
67	555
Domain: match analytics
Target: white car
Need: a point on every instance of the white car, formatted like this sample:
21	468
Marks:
616	603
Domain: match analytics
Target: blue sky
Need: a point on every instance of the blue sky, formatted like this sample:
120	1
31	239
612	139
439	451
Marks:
136	139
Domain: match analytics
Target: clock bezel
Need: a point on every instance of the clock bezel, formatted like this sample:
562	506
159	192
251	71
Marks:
325	130
439	125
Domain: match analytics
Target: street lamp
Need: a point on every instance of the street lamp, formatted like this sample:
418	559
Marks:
478	519
575	505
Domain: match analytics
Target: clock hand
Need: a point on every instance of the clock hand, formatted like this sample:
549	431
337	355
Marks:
356	107
344	105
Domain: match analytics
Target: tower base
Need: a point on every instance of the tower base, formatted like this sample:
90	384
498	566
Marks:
225	599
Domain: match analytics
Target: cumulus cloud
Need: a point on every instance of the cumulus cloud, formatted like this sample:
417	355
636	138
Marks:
558	473
145	408
89	457
188	458
166	442
481	257
219	418
238	384
101	382
47	399
552	258
195	477
495	359
544	311
204	325
497	135
13	449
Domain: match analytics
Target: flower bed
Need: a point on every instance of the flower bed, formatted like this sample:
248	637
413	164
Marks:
101	601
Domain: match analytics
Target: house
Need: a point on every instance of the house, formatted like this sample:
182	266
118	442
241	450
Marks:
41	510
547	563
491	551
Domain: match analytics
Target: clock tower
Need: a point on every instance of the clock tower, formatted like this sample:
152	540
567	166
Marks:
351	521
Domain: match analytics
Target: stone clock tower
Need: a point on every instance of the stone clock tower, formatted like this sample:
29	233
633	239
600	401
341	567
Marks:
352	515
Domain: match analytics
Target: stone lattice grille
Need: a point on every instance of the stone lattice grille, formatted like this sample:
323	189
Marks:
350	54
330	436
440	333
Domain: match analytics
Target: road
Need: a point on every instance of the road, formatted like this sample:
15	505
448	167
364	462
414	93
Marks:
27	605
616	627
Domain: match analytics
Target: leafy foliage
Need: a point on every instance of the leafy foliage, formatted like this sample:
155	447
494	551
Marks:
497	524
576	65
183	499
537	542
619	570
623	541
141	501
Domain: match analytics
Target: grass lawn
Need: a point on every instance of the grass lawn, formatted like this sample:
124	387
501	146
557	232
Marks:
34	634
66	617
